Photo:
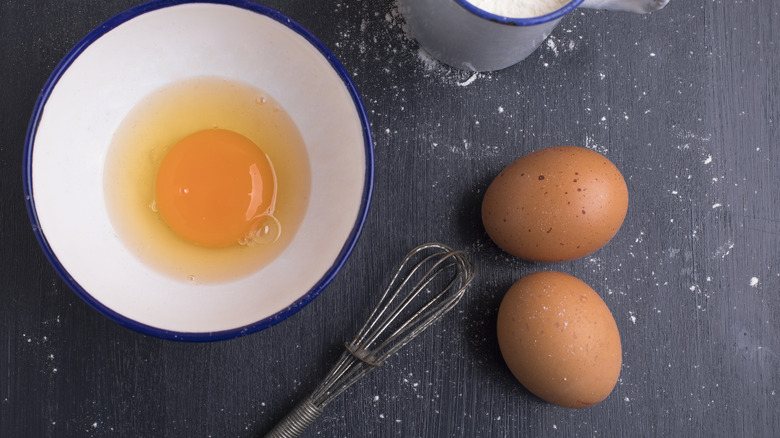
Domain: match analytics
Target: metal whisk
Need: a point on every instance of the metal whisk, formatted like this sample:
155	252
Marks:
433	273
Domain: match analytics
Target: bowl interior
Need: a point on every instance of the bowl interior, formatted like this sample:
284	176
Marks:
125	60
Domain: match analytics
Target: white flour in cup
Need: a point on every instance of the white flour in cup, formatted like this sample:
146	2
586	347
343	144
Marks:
519	8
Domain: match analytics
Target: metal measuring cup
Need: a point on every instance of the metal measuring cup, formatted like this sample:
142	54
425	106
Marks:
464	36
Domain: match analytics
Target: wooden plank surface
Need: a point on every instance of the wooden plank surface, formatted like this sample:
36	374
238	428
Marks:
685	101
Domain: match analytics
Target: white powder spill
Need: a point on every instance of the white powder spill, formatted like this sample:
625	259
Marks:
558	46
446	74
468	81
552	46
683	134
428	61
590	143
723	250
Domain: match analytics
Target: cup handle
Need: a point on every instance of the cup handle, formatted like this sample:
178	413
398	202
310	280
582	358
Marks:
638	6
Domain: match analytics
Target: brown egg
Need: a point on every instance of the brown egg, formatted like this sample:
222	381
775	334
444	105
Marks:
555	204
559	339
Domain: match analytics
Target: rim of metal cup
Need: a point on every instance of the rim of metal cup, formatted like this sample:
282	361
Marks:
529	21
264	323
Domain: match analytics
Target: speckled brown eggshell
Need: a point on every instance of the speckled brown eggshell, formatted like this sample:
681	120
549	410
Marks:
559	339
555	204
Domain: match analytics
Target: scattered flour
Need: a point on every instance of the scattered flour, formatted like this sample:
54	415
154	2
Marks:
552	45
468	81
725	249
590	143
427	61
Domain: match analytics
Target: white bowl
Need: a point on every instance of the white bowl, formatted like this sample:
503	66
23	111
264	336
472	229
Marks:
121	62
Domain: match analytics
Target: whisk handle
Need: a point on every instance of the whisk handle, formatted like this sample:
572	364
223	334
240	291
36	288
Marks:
298	420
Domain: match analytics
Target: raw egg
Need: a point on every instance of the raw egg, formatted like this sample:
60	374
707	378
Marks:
216	188
207	180
555	204
559	339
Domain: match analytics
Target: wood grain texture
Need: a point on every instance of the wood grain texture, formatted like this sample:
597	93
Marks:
685	101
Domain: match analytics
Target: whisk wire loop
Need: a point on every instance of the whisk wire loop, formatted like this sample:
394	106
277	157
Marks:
368	334
423	317
438	267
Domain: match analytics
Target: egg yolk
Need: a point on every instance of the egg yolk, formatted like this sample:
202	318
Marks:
216	188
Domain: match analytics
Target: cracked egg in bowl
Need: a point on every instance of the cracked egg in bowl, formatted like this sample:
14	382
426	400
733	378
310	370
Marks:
198	170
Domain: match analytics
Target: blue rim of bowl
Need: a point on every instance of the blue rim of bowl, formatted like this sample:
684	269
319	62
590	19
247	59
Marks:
530	21
283	314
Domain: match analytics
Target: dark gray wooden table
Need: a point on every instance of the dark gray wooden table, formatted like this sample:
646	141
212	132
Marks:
685	101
